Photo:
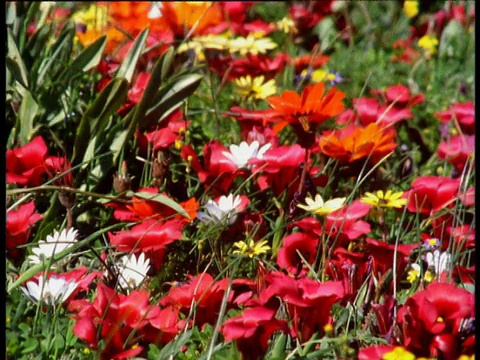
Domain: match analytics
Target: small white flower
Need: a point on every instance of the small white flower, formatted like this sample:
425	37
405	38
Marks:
439	261
241	154
54	244
225	209
51	291
132	271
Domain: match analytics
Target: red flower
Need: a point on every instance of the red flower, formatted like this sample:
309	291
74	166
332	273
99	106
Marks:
218	172
25	165
18	226
293	245
308	301
253	65
113	319
57	166
383	257
345	224
350	268
429	194
374	352
463	113
251	330
150	237
201	292
431	321
457	150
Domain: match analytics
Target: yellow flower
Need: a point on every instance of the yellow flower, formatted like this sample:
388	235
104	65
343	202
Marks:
414	273
381	199
251	44
429	44
410	8
95	18
319	207
251	249
255	88
286	25
200	43
398	353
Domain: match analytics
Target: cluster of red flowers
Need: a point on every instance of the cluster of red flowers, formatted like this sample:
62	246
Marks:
435	321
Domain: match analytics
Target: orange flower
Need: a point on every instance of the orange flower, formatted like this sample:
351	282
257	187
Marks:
182	16
309	109
353	143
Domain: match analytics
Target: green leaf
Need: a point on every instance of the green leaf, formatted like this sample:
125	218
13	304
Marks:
174	346
37	43
152	90
128	65
179	90
87	59
14	61
162	199
454	41
61	49
26	115
95	119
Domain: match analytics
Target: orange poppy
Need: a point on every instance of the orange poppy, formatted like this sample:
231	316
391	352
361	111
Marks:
182	16
309	109
353	143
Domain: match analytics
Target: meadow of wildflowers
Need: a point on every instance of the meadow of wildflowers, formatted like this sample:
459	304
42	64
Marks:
240	180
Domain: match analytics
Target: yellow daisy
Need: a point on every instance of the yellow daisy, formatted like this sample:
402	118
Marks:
255	88
381	199
251	249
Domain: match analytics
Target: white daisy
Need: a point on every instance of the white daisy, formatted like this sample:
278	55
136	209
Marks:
51	291
226	208
132	271
241	154
439	261
54	244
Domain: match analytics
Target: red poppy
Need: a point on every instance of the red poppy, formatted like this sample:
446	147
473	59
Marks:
218	172
19	223
251	331
431	321
309	302
279	169
384	254
356	143
374	352
25	164
429	194
150	237
345	224
259	119
253	65
351	268
114	319
296	249
57	166
463	113
201	292
457	150
305	111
